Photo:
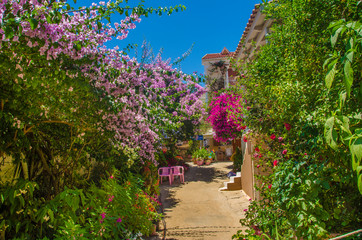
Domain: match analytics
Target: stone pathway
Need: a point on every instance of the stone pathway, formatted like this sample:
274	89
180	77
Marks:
197	210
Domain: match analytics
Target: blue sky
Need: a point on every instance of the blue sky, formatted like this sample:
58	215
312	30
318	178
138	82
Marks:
210	24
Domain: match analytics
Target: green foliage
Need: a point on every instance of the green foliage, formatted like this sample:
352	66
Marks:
237	159
110	211
312	190
202	153
193	146
344	127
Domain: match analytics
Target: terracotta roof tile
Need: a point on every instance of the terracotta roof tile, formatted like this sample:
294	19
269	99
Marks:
224	54
247	28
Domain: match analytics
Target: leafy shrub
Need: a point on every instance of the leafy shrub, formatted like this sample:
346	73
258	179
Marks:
237	159
112	211
307	189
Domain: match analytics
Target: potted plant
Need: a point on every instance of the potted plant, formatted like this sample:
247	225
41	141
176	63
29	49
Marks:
201	155
199	161
195	156
210	158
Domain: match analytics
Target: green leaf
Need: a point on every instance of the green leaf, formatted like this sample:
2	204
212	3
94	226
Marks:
330	133
348	77
334	37
349	56
359	178
343	123
331	74
18	225
356	151
33	23
9	32
99	24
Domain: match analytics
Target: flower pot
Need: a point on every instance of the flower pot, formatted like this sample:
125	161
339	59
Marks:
208	162
200	162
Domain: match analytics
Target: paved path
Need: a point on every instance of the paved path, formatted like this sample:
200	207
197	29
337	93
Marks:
196	210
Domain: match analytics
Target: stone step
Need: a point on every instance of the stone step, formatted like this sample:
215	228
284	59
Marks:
233	184
235	180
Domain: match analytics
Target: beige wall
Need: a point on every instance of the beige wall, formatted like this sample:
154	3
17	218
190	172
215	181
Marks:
247	171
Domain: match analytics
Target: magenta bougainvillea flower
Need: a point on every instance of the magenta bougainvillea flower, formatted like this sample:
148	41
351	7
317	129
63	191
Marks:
272	137
225	116
257	149
285	151
287	126
270	186
245	139
119	220
280	139
275	163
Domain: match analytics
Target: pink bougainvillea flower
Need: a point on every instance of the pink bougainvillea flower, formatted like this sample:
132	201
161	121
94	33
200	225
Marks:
305	154
272	137
245	210
270	186
111	176
103	215
257	149
287	126
258	166
256	155
110	199
285	151
275	163
248	108
280	139
245	139
119	220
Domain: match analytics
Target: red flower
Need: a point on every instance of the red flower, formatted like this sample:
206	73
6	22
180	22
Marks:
258	166
280	139
285	151
270	186
245	139
248	108
243	127
287	126
272	137
275	163
257	149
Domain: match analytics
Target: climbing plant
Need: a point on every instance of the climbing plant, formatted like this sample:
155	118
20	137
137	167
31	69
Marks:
301	102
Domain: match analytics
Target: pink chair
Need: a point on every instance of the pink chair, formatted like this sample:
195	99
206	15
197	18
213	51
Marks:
178	171
165	172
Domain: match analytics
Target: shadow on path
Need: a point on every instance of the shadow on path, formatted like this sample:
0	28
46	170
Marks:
196	210
195	173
